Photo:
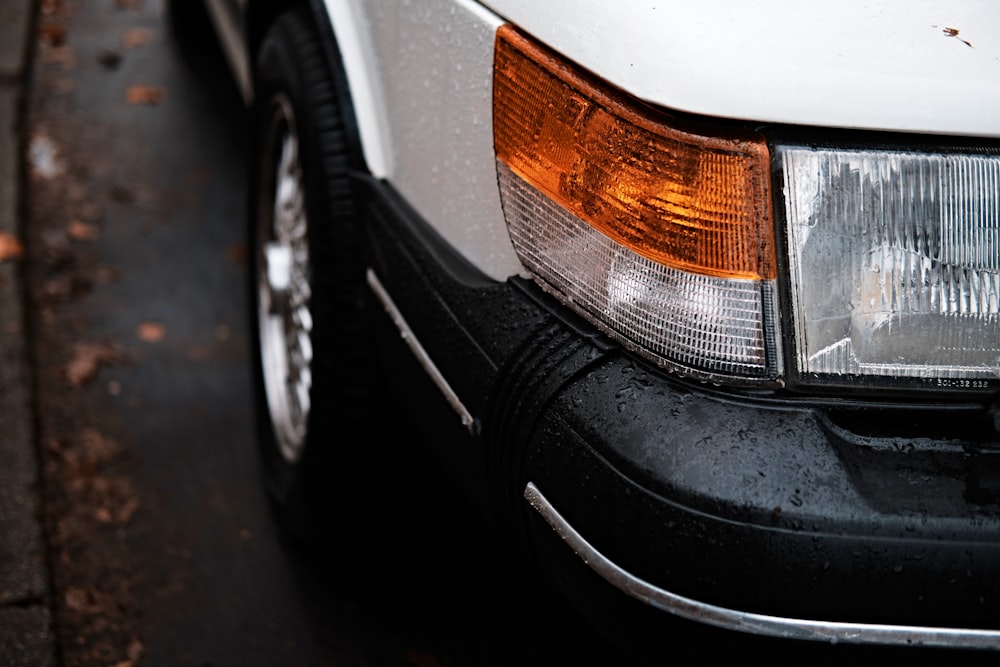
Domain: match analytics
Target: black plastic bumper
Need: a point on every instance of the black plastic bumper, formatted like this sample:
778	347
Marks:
862	519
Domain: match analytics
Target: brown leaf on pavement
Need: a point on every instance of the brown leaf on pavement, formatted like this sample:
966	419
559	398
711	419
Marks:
65	56
136	37
151	332
10	247
88	358
97	448
135	649
125	512
105	275
53	34
64	288
50	7
82	231
150	95
82	599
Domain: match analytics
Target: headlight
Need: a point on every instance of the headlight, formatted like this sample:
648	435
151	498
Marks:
660	234
895	264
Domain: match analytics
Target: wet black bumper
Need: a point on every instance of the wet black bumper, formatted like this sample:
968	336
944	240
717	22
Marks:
761	512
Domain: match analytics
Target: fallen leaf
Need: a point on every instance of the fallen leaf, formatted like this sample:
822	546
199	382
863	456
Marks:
136	37
126	511
62	55
50	7
82	231
150	95
107	274
135	649
81	599
87	359
65	288
96	448
151	332
53	34
10	247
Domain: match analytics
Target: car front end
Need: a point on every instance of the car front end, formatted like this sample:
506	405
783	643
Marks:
771	405
699	303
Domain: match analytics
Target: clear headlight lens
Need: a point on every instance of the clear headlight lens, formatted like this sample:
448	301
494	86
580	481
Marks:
895	264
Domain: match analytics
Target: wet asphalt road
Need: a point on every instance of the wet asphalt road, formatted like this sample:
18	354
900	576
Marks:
163	550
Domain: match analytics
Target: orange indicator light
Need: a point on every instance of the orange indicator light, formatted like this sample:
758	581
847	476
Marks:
694	201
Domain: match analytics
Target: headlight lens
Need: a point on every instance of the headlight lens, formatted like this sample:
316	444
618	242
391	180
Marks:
661	233
895	264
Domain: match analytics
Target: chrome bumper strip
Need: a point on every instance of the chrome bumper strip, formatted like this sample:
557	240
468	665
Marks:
759	624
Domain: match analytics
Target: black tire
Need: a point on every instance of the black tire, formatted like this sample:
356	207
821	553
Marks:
297	112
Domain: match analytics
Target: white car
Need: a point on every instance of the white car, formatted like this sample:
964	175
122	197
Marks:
699	302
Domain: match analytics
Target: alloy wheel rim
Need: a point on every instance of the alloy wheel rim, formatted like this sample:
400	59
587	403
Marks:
283	283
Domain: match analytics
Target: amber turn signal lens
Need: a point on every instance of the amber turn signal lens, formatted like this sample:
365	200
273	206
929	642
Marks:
690	201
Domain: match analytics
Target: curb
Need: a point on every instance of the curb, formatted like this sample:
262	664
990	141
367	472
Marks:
26	632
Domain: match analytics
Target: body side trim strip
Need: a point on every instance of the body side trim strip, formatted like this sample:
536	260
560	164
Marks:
468	421
759	624
228	25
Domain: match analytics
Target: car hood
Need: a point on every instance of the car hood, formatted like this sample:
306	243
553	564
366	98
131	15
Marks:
898	65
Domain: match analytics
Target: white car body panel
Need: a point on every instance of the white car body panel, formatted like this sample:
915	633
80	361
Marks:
880	65
420	73
421	79
353	29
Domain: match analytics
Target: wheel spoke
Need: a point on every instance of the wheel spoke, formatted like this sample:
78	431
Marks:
285	317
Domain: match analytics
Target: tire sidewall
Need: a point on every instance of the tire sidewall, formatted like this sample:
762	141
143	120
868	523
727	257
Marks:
290	64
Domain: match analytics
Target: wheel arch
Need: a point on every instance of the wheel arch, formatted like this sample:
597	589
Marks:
352	59
307	283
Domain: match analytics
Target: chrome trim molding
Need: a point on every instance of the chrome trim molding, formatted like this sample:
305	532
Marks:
228	24
759	624
468	421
